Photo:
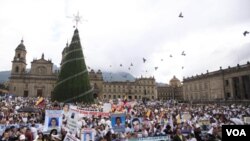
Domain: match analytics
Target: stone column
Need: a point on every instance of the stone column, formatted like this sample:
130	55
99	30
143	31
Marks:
232	94
242	93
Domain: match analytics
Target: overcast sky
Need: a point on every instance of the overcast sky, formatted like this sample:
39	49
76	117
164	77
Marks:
123	32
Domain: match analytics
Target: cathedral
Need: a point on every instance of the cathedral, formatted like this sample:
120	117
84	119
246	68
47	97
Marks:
41	80
38	81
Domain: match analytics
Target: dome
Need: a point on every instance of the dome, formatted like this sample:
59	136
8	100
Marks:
21	46
175	81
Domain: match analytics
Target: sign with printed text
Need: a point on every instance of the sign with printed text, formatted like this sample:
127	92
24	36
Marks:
70	137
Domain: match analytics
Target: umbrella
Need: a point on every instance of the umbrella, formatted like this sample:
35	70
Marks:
28	110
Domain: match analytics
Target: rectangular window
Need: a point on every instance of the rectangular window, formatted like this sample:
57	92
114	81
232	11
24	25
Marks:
25	93
227	82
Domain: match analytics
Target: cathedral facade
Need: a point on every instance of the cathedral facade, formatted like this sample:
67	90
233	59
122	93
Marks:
38	81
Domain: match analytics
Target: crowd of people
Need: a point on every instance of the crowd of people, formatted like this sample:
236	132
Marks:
166	119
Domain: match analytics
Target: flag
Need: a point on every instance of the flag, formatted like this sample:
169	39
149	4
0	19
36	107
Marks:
40	102
148	113
178	118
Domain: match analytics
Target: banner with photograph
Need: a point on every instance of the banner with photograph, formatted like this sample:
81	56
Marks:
70	137
53	120
136	124
118	122
159	138
72	122
87	135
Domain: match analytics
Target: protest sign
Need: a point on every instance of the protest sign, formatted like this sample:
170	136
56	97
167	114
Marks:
136	124
70	137
186	116
118	122
87	135
72	122
159	138
247	120
107	107
204	122
53	120
84	113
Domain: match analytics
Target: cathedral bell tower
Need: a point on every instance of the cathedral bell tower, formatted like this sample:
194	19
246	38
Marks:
19	61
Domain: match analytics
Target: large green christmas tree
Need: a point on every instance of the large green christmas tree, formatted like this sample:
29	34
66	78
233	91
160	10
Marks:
73	81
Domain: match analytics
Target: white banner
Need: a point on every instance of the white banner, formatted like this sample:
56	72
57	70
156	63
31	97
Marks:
107	107
159	138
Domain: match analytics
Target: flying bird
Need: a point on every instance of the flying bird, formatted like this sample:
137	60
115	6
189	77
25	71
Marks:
183	53
110	66
245	33
161	59
120	65
182	67
180	15
156	68
129	68
170	55
144	60
131	64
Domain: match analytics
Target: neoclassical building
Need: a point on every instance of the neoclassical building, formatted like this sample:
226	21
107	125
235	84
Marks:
171	91
141	88
232	83
38	81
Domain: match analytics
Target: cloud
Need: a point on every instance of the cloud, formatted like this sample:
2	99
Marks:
121	32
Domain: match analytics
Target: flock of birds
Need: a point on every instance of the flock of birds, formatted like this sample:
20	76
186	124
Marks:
144	60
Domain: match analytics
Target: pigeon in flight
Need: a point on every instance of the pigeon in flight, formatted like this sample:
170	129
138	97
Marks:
120	65
131	64
170	55
88	67
182	67
183	53
144	60
245	33
180	15
156	68
110	66
128	68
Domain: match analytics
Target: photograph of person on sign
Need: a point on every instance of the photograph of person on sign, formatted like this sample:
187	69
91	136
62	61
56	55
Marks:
118	122
53	123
